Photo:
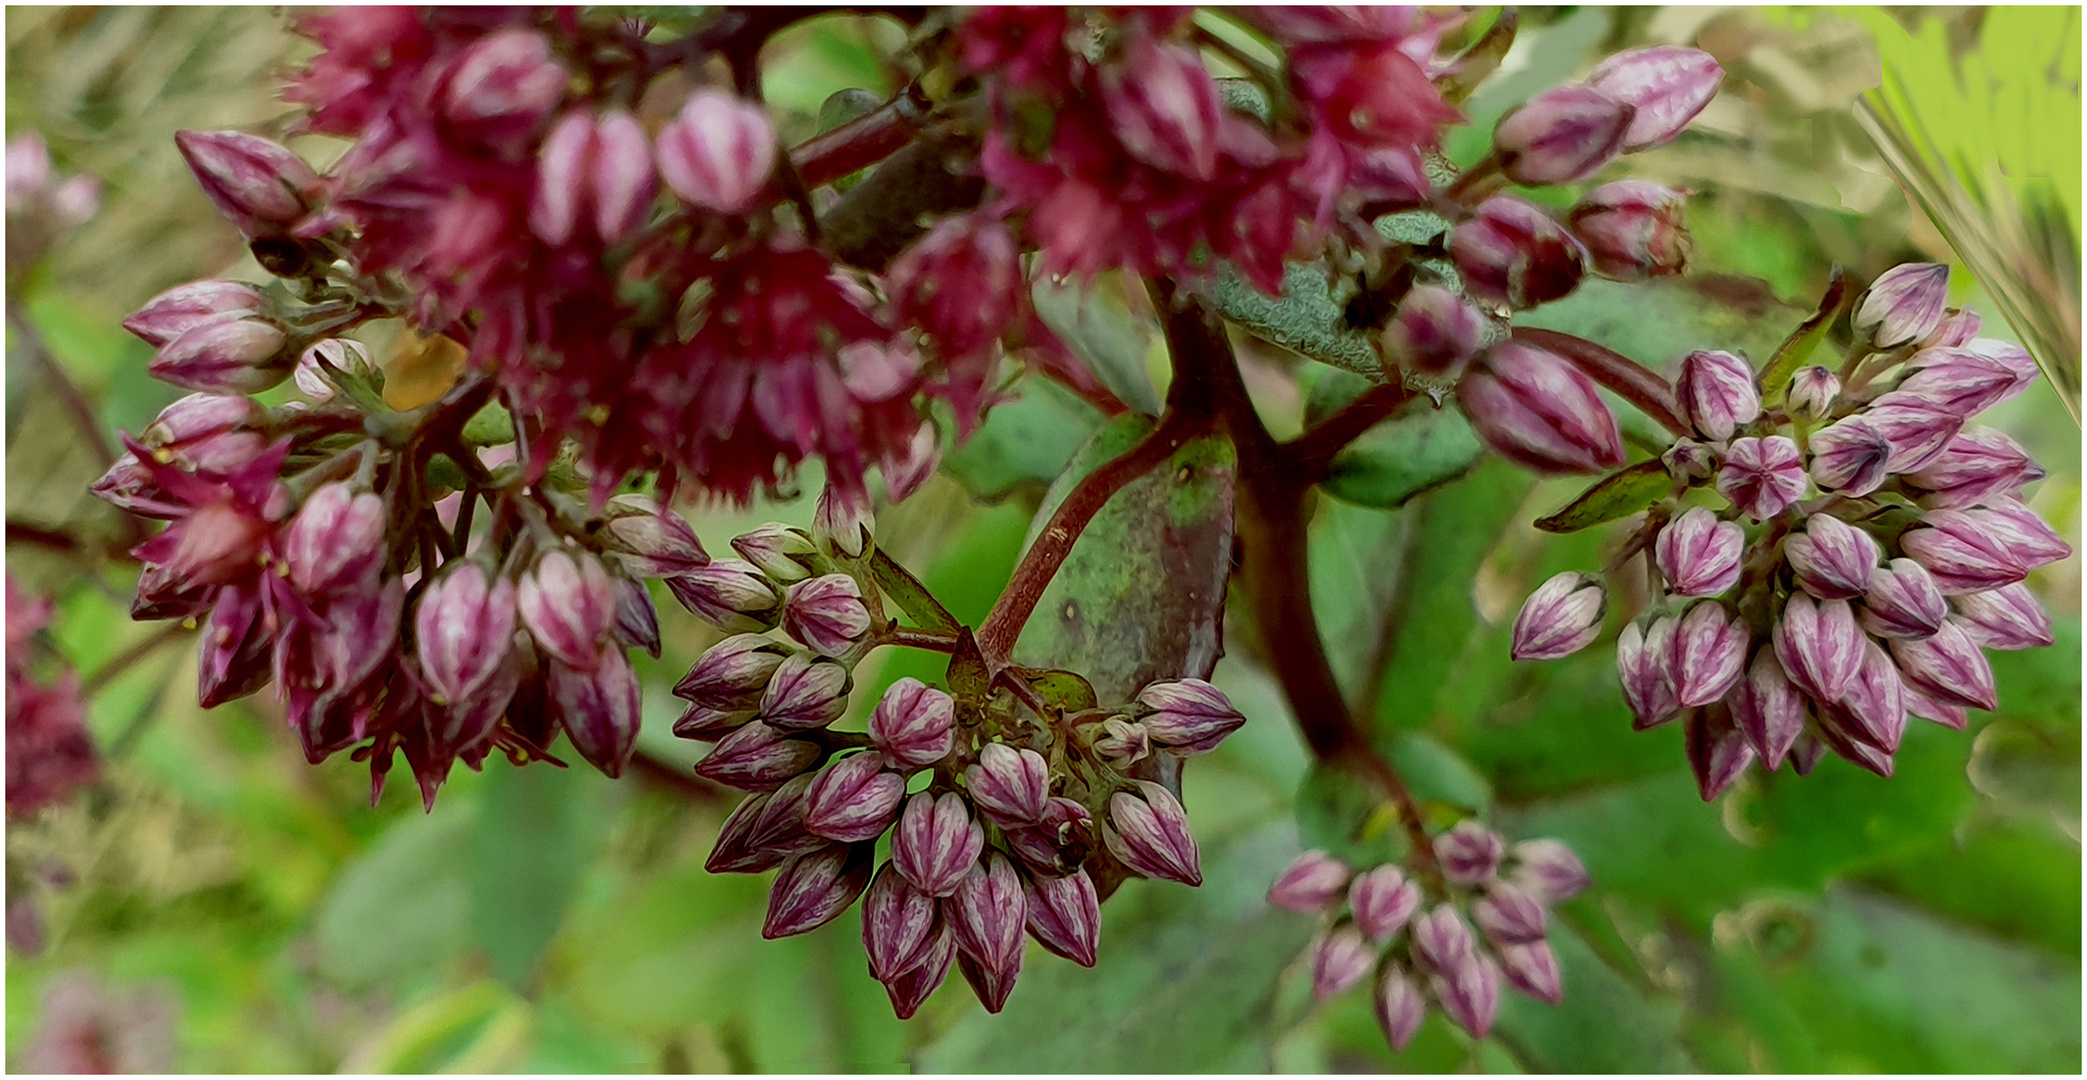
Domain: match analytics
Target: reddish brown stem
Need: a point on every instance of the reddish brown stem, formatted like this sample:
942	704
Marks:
859	143
1631	381
115	666
914	638
1310	454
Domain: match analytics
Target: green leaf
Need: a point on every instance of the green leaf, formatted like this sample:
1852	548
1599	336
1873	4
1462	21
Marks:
1617	495
403	906
536	833
1306	318
1340	814
1437	773
1416	451
1096	323
1604	1025
1797	348
1025	441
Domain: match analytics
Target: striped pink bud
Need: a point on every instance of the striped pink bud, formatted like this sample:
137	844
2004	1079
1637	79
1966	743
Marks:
1382	900
898	924
1819	645
2008	617
1340	958
805	692
1009	784
1148	832
826	614
1947	666
1975	465
568	602
814	888
1564	134
1716	393
853	799
936	842
1469	853
1698	554
1717	752
1709	653
1667	85
1831	559
1903	602
1904	304
1312	882
718	153
1851	457
1511	252
1563	616
1532	968
914	724
1645	666
1762	477
1064	916
1767	709
1189	716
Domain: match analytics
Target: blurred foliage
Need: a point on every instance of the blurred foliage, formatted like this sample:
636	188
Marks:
546	920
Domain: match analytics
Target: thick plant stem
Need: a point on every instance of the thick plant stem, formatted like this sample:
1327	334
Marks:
1309	455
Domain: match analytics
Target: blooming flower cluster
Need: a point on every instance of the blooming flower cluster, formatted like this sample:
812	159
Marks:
1381	925
49	755
1837	550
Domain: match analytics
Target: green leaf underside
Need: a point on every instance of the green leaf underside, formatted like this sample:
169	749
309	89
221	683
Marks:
1617	495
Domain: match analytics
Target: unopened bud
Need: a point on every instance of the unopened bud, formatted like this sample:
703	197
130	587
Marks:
1469	853
733	674
1904	304
2008	617
1060	843
826	614
652	540
1688	460
600	165
345	357
853	799
232	356
757	757
568	602
783	553
905	472
336	541
1537	410
1768	710
1717	752
1010	785
1382	900
805	692
259	186
814	888
1434	332
1961	553
1903	602
1762	477
910	989
1716	392
1812	392
1667	85
1508	915
730	595
1513	253
1148	832
1851	457
1947	666
1876	700
1163	107
1632	230
637	621
1644	665
463	629
1064	916
1340	958
719	153
1311	883
1189	716
842	525
1470	995
1441	941
1974	466
1399	1006
1532	968
936	842
598	704
734	853
1548	870
898	924
1698	554
987	915
1564	134
185	307
914	724
1960	381
1917	428
1831	559
2021	531
1959	326
503	85
1819	645
1123	740
1560	618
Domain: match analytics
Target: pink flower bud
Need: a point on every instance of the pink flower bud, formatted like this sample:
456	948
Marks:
604	165
1123	740
1060	843
1698	554
1767	709
898	924
1948	714
805	692
2021	531
1513	253
1382	900
229	356
563	175
1469	853
905	472
783	553
826	613
259	186
2010	356
1812	392
1837	731
503	85
1975	465
1560	618
1904	304
1903	602
914	724
215	544
1644	665
344	356
463	630
1717	753
1548	871
1958	327
2008	617
652	540
853	799
1716	392
232	660
1435	332
814	888
1818	645
1399	1006
1010	785
1537	410
1962	553
598	704
185	307
336	541
1688	459
1163	107
1372	93
1632	230
637	621
757	757
568	602
936	843
1533	969
1189	716
1875	700
1065	917
1311	883
1832	559
1150	835
1762	477
909	990
1340	958
1960	381
1470	995
718	153
733	675
1509	916
733	852
1806	755
1917	428
730	595
1709	653
1667	85
987	915
780	827
1441	941
1948	667
1564	134
842	525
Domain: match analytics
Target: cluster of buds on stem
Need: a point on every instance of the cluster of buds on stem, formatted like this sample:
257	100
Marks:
49	756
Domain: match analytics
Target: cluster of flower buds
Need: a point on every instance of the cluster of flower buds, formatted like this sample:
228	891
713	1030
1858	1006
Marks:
49	755
1415	948
40	204
1836	552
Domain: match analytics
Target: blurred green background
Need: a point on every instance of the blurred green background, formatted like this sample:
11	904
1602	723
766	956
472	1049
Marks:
227	908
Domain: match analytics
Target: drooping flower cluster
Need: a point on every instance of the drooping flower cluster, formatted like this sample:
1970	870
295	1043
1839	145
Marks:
1380	925
1837	550
49	756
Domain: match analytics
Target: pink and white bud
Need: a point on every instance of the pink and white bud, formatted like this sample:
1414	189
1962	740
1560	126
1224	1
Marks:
988	913
1645	667
1060	843
1903	602
762	831
1537	410
905	472
1632	230
1564	134
719	153
1947	666
936	843
185	307
603	166
1435	332
463	630
563	168
780	828
1532	968
842	525
910	990
1762	477
730	595
1768	709
898	924
1876	700
1698	554
1819	645
1948	714
1917	428
1850	457
1163	107
503	85
1340	958
336	541
805	692
1470	995
1148	833
1123	740
1667	85
1441	941
652	540
1832	559
1399	1006
1688	459
232	657
568	602
1382	900
1904	304
1189	716
1958	327
1064	916
826	614
1709	653
598	704
325	362
757	757
1976	465
814	888
1962	553
703	723
1812	392
783	553
229	356
1509	915
1513	253
1960	381
1716	393
1717	753
1548	870
1010	785
733	675
1313	882
1838	731
2021	531
1469	853
2010	356
914	724
1563	616
2008	617
853	799
259	186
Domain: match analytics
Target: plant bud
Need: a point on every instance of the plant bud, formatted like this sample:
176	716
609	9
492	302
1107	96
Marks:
1961	554
783	553
1150	835
637	621
1688	459
2010	356
853	799
1441	941
463	630
780	828
1010	785
1533	969
1340	958
962	284
1399	1006
719	153
1645	667
232	660
730	595
568	602
1917	428
1560	618
1948	667
826	614
1831	559
1313	882
1833	732
503	85
185	307
1903	602
1065	917
2008	617
1975	465
733	852
2021	531
987	914
259	186
805	692
1761	477
898	924
1469	853
1698	554
1948	714
562	178
604	165
652	540
230	356
1382	900
1564	134
914	725
733	674
1806	755
1123	740
1717	752
1667	85
1513	253
1818	645
1509	916
842	525
905	472
336	541
1958	327
1189	716
1709	649
1812	392
912	988
814	888
1549	871
1537	410
598	705
1768	710
1435	332
1876	700
1850	457
1903	305
1716	393
1163	107
936	843
1960	381
345	357
1058	845
757	757
1632	230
